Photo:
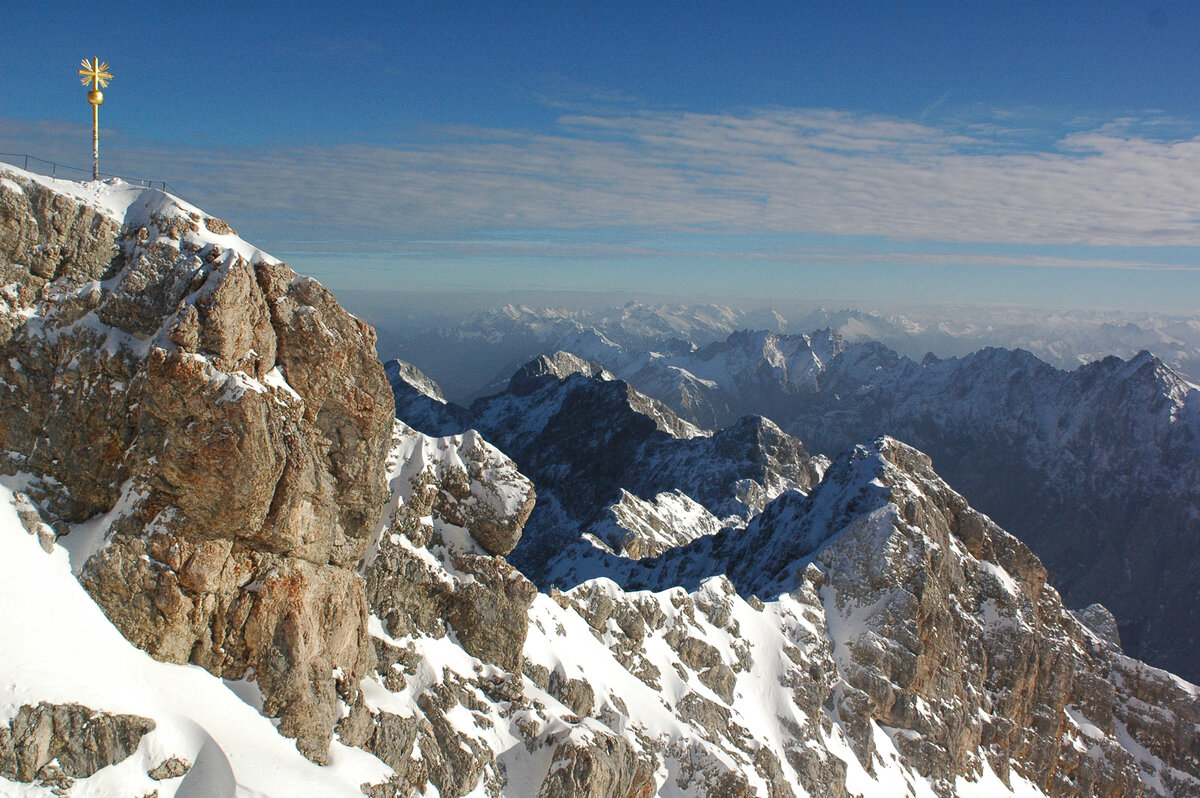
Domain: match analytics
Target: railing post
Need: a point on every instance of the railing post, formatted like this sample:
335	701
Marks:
27	159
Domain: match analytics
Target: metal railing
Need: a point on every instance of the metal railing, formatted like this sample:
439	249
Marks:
24	161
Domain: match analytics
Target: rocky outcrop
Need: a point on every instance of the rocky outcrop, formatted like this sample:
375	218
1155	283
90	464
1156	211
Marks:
590	763
220	422
53	743
434	572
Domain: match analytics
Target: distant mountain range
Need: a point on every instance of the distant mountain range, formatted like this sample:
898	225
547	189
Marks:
474	356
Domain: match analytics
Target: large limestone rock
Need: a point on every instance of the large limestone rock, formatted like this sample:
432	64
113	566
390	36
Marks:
219	422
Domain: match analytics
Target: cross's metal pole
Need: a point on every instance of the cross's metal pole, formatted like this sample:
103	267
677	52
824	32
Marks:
95	142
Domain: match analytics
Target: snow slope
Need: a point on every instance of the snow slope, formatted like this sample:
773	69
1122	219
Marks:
59	647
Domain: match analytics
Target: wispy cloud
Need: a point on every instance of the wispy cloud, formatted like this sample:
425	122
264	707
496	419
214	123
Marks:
779	171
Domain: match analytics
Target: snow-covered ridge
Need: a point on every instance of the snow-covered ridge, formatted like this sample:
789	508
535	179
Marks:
136	207
472	356
145	218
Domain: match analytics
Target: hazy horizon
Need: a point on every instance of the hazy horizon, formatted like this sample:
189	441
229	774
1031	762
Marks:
939	151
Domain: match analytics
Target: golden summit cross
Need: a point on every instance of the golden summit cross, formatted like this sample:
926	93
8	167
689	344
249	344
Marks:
96	73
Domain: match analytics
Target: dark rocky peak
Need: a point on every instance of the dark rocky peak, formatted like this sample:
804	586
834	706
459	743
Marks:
1142	380
770	345
420	404
1095	469
587	440
735	472
584	404
580	434
677	346
547	369
402	374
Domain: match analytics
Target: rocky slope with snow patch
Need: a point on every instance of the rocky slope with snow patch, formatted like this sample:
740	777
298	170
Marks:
876	637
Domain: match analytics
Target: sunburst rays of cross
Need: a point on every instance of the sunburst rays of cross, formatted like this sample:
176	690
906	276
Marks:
95	72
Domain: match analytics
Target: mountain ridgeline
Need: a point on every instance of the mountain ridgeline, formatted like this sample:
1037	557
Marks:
1097	469
566	590
472	355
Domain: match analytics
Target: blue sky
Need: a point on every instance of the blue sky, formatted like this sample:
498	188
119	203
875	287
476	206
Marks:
1037	153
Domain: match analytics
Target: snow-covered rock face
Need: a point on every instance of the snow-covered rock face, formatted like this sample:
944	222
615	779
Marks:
877	637
398	372
1097	469
206	428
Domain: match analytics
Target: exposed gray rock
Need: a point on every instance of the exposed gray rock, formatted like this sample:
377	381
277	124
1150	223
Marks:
591	763
171	768
575	693
80	740
31	519
458	499
1101	622
467	484
393	741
